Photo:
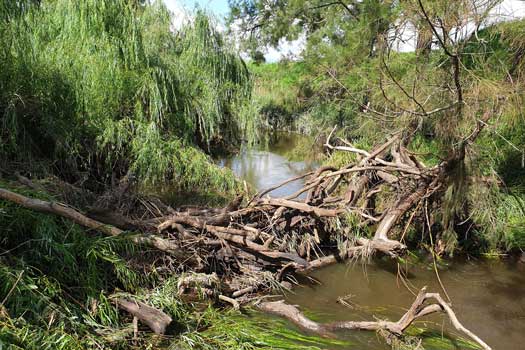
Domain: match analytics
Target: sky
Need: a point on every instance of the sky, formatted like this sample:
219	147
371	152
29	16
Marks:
509	9
219	8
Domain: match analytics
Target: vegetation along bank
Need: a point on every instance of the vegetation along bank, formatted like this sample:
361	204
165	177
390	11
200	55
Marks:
119	231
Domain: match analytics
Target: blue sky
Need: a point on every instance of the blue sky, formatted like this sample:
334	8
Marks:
218	7
509	9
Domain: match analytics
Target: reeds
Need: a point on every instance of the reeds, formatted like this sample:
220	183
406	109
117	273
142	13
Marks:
104	87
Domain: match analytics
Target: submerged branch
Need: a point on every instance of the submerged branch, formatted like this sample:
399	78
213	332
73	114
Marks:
417	310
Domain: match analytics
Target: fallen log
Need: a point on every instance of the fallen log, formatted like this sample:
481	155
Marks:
260	250
64	211
417	310
238	237
268	190
155	319
58	209
279	202
364	247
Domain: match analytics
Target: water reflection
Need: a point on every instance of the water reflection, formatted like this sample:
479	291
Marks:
488	297
263	167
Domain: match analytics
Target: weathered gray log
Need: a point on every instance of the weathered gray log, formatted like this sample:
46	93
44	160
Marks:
155	319
317	211
417	310
237	237
64	211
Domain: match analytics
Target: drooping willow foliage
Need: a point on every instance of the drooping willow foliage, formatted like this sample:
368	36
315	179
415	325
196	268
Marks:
107	87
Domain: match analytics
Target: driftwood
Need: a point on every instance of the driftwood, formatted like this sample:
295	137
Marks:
268	233
155	319
417	310
289	231
199	283
64	211
234	303
245	244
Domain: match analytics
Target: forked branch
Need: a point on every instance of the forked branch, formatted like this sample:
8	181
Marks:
418	309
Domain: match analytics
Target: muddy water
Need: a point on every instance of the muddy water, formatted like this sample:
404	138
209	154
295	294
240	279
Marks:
265	166
488	295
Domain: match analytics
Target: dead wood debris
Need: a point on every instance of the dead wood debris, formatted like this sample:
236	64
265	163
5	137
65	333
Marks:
417	310
155	319
253	247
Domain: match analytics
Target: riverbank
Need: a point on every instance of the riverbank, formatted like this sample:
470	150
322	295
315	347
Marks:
118	231
358	289
229	255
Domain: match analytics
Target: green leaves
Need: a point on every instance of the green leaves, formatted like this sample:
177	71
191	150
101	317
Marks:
106	86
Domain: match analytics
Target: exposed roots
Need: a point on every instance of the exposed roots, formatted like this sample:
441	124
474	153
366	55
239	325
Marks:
244	249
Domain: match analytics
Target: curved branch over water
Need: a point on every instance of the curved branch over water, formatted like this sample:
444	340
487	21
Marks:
417	310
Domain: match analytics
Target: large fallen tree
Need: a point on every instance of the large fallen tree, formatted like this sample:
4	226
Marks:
252	246
417	310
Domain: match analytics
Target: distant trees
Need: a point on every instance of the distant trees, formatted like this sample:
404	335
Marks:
258	57
440	97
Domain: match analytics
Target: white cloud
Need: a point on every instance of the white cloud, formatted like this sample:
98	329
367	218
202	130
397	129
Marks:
290	49
510	9
507	10
180	15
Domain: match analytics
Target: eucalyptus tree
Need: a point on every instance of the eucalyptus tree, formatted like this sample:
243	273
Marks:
264	22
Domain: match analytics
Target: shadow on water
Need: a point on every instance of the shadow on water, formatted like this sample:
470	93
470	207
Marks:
487	295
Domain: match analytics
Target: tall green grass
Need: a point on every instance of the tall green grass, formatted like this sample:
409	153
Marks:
106	87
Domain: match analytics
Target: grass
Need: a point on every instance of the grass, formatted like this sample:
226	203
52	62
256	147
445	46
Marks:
57	281
324	91
104	87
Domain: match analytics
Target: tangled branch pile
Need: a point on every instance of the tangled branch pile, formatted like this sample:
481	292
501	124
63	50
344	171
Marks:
309	228
243	249
262	241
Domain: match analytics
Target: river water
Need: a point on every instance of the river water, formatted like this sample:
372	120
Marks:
265	166
488	296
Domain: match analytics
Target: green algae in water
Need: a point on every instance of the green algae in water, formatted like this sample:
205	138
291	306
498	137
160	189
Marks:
433	340
255	331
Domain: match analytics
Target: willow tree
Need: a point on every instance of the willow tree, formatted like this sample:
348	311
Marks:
101	89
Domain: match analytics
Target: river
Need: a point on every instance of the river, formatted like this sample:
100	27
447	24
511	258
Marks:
275	162
488	295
